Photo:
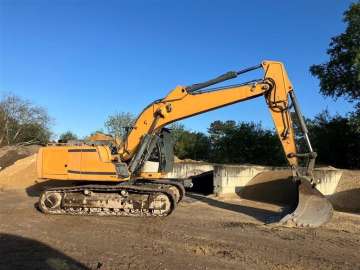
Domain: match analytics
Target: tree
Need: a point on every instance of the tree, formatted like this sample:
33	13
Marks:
188	144
336	139
340	76
176	129
229	142
243	142
67	136
192	145
21	122
119	124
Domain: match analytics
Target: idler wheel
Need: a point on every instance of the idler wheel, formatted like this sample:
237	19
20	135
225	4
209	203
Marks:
50	201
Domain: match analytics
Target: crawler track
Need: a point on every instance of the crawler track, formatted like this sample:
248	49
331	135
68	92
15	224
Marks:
105	200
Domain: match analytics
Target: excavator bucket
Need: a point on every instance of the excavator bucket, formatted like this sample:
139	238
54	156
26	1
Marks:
313	209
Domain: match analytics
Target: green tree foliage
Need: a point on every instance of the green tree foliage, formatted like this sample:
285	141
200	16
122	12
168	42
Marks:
242	142
354	120
176	130
229	142
21	122
336	139
119	124
67	136
188	144
340	76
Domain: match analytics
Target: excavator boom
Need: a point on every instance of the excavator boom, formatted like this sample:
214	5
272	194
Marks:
183	102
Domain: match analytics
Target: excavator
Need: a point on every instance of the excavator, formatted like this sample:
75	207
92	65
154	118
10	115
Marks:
128	178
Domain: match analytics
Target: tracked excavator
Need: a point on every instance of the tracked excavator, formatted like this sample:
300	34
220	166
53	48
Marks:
128	178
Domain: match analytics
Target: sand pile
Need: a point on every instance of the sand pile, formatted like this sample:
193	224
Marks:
10	154
347	194
270	187
186	160
20	175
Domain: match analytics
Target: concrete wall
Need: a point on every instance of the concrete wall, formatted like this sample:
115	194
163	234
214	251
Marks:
329	179
189	169
229	179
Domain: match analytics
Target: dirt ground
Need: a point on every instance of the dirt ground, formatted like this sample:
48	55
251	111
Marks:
203	233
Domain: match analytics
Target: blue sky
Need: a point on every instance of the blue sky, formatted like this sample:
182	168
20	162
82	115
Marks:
85	60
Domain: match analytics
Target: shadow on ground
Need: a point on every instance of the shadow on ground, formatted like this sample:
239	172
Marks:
275	188
23	253
262	215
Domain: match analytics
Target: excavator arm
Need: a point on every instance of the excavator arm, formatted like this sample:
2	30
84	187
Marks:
183	102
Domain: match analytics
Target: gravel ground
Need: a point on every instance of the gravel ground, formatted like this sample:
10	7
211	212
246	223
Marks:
203	233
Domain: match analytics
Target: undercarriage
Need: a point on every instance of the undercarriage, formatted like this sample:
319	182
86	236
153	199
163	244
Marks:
143	198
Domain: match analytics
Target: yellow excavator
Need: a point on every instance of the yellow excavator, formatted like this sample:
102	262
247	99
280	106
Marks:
127	178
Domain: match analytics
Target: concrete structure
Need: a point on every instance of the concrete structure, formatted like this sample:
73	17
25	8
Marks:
269	184
229	179
190	169
329	179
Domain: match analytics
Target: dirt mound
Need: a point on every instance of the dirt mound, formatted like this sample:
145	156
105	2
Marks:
10	154
186	160
271	187
20	175
347	194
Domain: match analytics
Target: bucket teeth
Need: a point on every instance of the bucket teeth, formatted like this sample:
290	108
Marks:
313	209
